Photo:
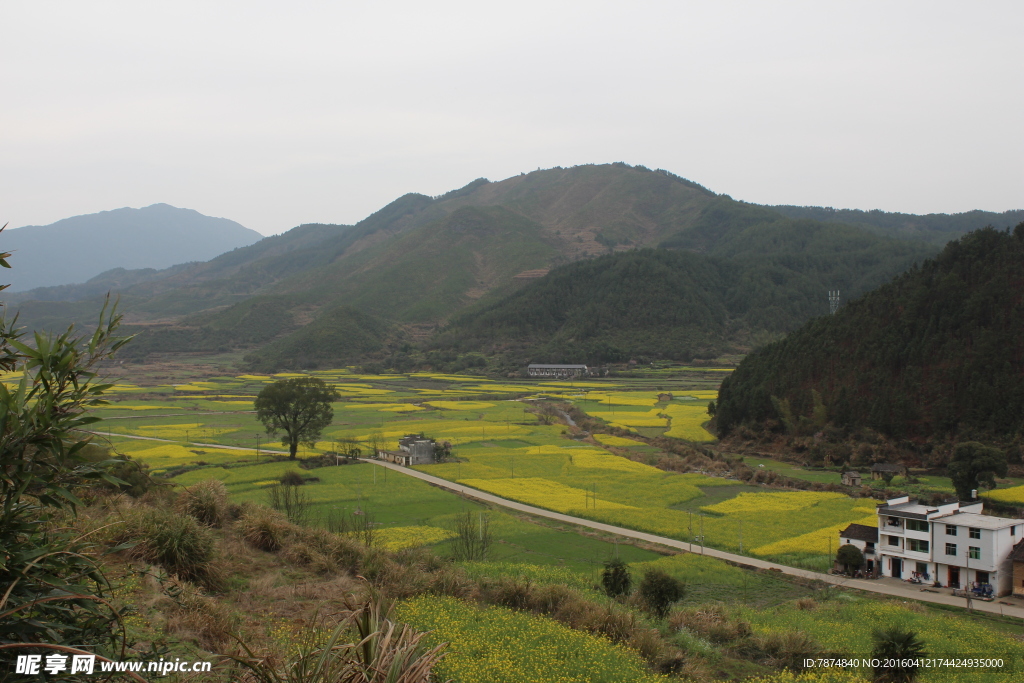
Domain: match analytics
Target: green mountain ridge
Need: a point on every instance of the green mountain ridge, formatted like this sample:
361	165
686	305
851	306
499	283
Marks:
419	262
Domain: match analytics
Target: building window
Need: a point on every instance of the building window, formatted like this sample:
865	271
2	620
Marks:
871	546
951	549
915	525
950	530
975	533
894	521
982	577
1013	531
894	540
974	553
917	546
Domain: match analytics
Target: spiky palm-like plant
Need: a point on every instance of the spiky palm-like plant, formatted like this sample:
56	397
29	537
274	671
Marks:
901	647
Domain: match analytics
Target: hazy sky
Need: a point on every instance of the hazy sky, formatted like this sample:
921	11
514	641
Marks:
279	113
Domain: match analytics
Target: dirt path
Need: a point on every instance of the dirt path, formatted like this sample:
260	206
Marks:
891	587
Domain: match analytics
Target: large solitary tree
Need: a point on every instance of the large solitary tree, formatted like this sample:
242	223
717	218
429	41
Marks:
299	409
975	465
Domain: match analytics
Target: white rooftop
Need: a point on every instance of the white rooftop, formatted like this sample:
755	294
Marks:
977	521
914	508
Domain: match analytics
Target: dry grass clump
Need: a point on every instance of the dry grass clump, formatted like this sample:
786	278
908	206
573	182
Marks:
263	528
711	622
783	650
178	543
199	618
806	604
207	501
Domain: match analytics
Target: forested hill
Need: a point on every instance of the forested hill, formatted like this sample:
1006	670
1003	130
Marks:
938	351
760	275
936	228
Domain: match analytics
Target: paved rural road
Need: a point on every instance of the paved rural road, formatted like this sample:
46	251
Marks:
188	443
884	586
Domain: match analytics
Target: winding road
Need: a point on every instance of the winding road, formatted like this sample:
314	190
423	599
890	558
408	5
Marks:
884	586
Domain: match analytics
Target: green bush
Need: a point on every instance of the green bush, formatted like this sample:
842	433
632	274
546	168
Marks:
292	478
615	578
658	591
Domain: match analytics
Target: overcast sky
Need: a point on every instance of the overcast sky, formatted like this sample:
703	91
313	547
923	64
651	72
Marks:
279	113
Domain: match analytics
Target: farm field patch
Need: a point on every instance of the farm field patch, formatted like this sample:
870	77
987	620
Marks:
498	645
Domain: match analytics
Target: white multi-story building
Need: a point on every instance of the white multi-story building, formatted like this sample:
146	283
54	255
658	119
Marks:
951	544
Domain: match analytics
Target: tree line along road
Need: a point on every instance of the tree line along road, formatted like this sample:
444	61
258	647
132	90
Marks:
881	586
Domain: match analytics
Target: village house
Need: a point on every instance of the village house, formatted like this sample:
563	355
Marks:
864	538
557	371
851	479
1017	557
879	470
412	450
952	545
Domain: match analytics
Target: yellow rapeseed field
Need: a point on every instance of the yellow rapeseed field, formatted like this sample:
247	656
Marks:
777	501
499	645
461	405
386	407
611	440
1014	494
687	421
820	541
401	537
649	418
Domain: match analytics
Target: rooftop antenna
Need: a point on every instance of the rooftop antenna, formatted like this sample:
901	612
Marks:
833	301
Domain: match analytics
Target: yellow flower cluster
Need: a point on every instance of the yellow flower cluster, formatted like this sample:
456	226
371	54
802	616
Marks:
542	493
498	645
401	537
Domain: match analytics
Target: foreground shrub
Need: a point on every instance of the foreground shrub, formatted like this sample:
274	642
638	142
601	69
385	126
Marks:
207	501
382	652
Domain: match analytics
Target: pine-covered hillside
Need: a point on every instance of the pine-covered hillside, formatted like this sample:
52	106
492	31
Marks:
938	351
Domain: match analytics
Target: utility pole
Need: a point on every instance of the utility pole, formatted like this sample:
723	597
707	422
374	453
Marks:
257	448
689	516
741	537
702	533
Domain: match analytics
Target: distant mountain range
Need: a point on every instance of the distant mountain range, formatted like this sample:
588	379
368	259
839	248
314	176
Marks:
78	249
468	272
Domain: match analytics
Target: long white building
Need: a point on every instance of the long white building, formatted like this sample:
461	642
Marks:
952	544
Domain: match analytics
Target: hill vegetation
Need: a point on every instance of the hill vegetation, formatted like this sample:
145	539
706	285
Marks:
938	351
759	275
